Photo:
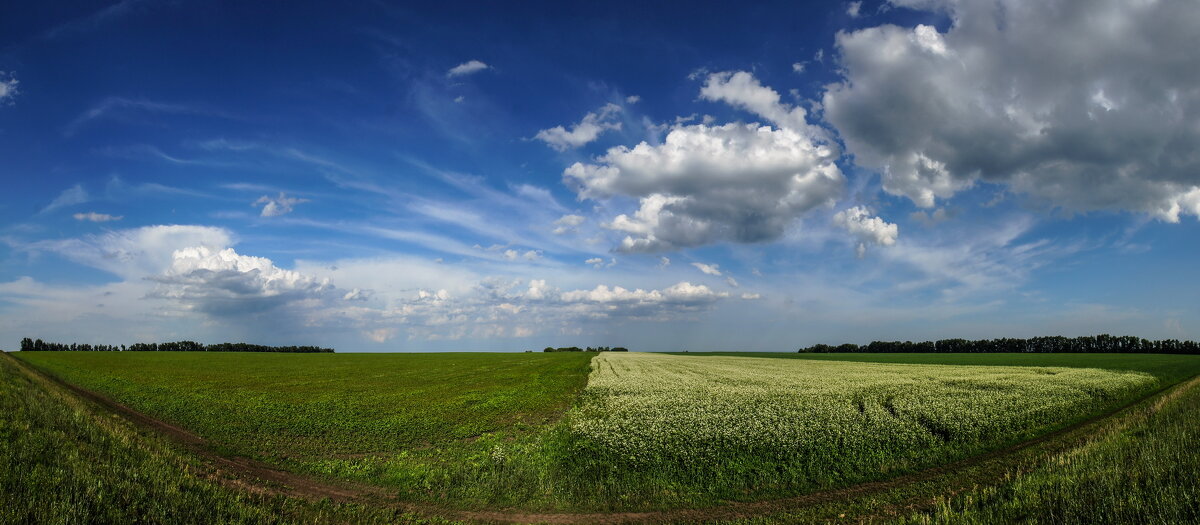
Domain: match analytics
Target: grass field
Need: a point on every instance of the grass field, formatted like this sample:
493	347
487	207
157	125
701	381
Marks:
322	405
649	431
427	425
63	462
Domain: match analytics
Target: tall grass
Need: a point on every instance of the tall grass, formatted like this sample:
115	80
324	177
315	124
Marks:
1142	468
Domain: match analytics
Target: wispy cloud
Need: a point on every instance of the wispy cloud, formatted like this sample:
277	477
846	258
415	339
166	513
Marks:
97	18
114	106
92	216
69	197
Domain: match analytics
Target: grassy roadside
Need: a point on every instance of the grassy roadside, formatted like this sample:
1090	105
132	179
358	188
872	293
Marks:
1142	467
63	461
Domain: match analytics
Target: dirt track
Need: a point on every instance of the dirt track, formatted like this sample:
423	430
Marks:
256	476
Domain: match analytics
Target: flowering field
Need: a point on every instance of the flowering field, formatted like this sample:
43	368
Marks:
647	431
726	426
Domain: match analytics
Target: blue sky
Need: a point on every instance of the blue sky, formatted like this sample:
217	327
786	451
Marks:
392	177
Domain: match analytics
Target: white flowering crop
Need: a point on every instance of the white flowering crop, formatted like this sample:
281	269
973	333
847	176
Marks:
795	421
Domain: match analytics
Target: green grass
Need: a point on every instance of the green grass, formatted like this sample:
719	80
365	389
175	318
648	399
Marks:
320	405
499	430
61	461
432	426
1140	468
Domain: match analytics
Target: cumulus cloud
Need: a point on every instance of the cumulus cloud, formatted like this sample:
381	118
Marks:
633	99
683	293
741	90
598	262
357	294
96	217
276	206
8	88
584	131
568	224
1082	104
867	230
467	68
853	9
704	184
528	255
225	283
708	269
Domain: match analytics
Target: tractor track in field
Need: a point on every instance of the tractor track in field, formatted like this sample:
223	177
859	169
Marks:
259	477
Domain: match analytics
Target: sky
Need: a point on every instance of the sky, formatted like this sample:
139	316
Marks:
385	176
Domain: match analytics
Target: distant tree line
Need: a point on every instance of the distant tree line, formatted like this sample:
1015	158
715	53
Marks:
588	349
1103	343
32	345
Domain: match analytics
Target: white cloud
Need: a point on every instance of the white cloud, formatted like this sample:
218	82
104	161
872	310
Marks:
380	335
568	224
867	230
69	197
708	269
798	67
224	283
853	9
751	296
683	293
664	262
702	184
276	206
741	90
583	132
138	252
1081	112
598	262
357	295
8	87
96	217
633	99
467	68
731	281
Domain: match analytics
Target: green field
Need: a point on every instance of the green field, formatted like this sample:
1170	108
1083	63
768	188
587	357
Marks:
648	431
297	406
62	461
